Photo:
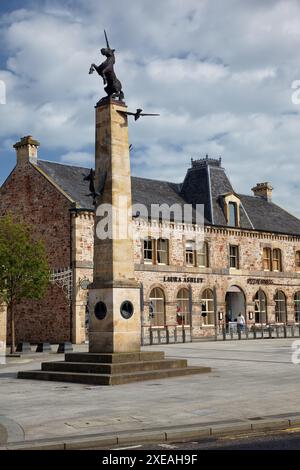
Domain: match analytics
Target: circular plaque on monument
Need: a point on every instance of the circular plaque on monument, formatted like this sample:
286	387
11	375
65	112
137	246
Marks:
100	310
126	309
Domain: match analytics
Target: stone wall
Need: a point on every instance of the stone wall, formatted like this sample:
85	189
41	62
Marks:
249	278
30	198
82	262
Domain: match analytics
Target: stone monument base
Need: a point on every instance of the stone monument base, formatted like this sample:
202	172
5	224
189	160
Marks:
112	368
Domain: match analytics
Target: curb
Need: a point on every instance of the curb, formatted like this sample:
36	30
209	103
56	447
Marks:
172	434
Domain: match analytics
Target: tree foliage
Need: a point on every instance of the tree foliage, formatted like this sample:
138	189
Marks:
24	269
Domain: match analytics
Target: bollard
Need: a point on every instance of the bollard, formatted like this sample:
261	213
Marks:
239	332
284	331
23	347
246	332
151	335
183	334
158	337
43	347
277	331
167	335
254	332
292	331
224	332
270	331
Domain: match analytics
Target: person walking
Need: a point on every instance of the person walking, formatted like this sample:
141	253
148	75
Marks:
241	322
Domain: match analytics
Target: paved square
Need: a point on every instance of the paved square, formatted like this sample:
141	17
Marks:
250	379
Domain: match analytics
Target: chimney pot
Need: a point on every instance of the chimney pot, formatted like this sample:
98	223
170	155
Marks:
263	190
27	150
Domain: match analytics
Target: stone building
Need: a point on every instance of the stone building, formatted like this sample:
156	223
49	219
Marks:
248	261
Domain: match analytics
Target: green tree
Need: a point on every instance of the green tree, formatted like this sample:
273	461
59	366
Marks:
24	269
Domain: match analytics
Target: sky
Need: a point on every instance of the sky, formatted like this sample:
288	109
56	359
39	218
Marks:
220	74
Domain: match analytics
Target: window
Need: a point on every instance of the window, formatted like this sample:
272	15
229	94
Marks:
232	214
280	307
202	255
297	260
277	266
297	306
148	250
267	259
162	251
260	307
234	256
157	307
190	253
183	307
207	307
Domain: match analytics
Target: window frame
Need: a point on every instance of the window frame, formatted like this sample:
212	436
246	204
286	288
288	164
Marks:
184	304
278	303
232	204
297	307
297	261
189	253
267	258
158	315
277	260
259	299
152	250
204	254
205	300
236	257
164	251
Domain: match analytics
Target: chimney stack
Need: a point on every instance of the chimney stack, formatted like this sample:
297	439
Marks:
263	190
27	150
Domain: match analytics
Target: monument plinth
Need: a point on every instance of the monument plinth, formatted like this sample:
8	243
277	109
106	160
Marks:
114	298
114	355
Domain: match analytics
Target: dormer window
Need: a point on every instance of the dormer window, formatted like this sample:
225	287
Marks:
231	205
232	209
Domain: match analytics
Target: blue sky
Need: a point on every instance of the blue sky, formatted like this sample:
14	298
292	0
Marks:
219	73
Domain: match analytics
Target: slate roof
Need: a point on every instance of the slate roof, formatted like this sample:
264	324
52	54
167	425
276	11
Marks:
205	183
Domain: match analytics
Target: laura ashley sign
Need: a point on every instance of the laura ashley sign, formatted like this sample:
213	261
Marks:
191	280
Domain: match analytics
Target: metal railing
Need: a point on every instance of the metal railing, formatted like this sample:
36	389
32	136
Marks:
166	334
258	331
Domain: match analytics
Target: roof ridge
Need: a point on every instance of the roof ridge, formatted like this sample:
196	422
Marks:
63	164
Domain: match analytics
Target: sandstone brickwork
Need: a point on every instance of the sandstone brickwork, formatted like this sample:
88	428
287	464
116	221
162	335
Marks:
33	199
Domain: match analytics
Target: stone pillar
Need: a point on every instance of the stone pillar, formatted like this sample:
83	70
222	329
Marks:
115	323
3	329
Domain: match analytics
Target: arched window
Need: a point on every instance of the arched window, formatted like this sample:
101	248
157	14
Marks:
183	307
267	259
202	255
280	307
207	307
157	307
297	306
190	253
162	249
297	260
277	264
260	307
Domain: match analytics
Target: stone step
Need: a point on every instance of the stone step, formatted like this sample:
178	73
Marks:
106	379
116	368
109	358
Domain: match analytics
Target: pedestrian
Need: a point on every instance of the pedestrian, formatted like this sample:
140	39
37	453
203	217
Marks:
241	321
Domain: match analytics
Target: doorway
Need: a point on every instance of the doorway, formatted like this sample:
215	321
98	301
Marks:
235	303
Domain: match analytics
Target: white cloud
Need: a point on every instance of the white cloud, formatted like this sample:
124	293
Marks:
219	73
78	158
